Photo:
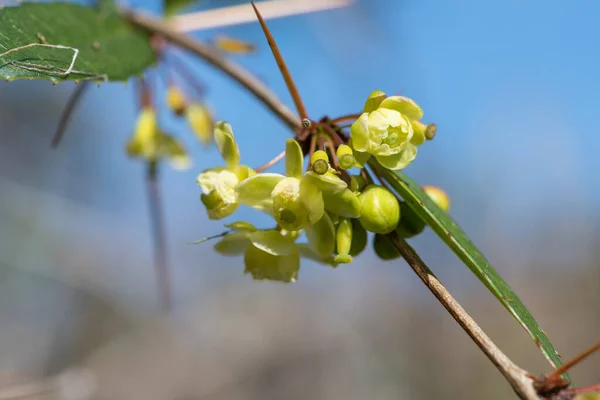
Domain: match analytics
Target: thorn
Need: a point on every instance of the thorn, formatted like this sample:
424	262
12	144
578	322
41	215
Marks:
574	361
282	66
68	112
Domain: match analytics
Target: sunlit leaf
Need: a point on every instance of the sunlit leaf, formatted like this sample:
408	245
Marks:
172	7
65	41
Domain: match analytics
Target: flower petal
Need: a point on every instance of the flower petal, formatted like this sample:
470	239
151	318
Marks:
312	200
321	237
264	266
307	252
257	188
234	244
399	160
226	144
360	133
273	242
403	105
294	159
328	182
344	203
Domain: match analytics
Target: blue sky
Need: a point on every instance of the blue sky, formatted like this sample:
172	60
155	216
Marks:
512	86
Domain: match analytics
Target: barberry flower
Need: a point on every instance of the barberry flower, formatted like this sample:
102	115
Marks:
200	118
218	184
152	145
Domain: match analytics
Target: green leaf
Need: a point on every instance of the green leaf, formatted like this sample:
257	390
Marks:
42	40
462	246
172	7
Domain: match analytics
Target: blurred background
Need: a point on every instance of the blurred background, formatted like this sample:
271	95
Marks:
513	89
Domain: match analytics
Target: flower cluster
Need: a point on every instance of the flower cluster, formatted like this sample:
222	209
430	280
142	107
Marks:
150	143
324	203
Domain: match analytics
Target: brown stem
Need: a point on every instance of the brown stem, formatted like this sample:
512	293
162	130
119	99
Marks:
65	117
311	151
285	72
574	361
158	232
220	62
517	377
344	118
274	161
332	133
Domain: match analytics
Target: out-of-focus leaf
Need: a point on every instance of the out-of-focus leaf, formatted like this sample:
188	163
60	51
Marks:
40	40
172	7
233	45
461	245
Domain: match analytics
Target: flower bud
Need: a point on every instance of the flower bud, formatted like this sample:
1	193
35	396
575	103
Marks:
319	162
344	241
357	183
384	248
374	100
345	157
176	100
380	211
410	224
144	142
438	196
430	131
359	238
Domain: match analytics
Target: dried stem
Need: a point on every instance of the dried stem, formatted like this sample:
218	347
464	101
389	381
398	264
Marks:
586	389
274	161
517	377
65	117
285	72
158	232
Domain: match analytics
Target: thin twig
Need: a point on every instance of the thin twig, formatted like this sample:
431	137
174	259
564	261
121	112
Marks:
158	232
517	377
344	118
285	72
574	361
65	117
219	61
274	161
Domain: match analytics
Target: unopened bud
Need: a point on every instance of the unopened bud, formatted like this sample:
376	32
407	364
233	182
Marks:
410	224
359	238
176	100
384	248
319	162
344	241
345	157
374	100
380	211
438	196
430	131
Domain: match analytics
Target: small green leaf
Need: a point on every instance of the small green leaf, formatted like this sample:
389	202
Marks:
172	7
47	40
462	246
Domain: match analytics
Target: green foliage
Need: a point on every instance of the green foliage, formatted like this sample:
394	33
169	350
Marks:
462	246
40	40
172	7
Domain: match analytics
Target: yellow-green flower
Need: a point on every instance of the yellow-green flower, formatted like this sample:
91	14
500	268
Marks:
385	131
218	184
150	144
